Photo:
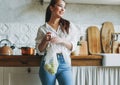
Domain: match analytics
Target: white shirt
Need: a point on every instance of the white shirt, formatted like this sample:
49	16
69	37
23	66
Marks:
72	37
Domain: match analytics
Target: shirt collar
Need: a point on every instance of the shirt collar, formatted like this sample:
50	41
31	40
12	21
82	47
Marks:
50	28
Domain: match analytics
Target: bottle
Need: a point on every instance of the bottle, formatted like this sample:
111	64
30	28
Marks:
115	47
77	50
83	46
119	49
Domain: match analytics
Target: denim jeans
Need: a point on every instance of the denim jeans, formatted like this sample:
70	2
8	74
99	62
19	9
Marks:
63	75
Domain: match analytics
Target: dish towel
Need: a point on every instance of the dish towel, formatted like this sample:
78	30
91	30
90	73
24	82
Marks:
51	63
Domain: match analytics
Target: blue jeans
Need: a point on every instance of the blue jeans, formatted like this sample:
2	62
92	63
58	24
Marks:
63	75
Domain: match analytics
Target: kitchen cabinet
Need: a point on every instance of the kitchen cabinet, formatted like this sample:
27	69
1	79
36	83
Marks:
23	69
1	75
21	76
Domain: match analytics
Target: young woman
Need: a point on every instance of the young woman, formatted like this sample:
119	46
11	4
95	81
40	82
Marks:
61	35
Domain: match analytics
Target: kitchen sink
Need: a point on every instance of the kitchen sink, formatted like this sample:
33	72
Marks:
111	59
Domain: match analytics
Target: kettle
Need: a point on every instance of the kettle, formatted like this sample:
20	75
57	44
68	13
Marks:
5	49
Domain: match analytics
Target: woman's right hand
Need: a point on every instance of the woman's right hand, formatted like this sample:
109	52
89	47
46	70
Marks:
45	42
48	36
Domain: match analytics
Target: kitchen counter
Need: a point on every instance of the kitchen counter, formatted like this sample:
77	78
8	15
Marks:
33	60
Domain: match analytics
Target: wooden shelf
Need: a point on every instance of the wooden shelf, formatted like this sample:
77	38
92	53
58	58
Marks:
87	57
89	60
28	60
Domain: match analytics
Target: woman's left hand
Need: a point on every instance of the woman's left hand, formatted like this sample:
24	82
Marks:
56	40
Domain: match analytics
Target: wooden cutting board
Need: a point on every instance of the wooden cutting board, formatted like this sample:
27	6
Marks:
94	45
106	34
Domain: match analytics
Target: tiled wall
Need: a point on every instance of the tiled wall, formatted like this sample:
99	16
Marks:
19	34
24	34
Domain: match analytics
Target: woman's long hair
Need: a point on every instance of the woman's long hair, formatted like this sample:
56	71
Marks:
65	24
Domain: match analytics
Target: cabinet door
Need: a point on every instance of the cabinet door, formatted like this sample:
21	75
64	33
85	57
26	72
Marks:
21	76
1	75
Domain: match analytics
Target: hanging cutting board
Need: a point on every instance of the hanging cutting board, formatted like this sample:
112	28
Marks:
106	33
94	45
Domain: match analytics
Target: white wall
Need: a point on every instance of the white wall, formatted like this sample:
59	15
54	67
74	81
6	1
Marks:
20	18
31	11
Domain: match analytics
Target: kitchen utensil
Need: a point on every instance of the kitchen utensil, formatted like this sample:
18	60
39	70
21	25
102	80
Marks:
119	49
76	52
115	47
94	45
27	51
106	36
6	49
115	36
115	43
83	46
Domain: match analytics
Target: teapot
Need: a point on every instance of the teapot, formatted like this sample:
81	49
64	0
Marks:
5	49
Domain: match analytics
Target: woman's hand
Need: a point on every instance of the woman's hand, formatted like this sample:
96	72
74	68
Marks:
62	41
42	46
47	36
56	40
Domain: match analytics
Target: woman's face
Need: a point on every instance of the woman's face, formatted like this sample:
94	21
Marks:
58	9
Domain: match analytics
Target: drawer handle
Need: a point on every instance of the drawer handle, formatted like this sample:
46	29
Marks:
29	70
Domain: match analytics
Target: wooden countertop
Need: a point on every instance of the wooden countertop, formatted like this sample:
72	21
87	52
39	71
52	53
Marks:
33	60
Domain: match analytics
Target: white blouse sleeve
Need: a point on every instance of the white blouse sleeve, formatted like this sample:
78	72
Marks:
38	40
74	36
